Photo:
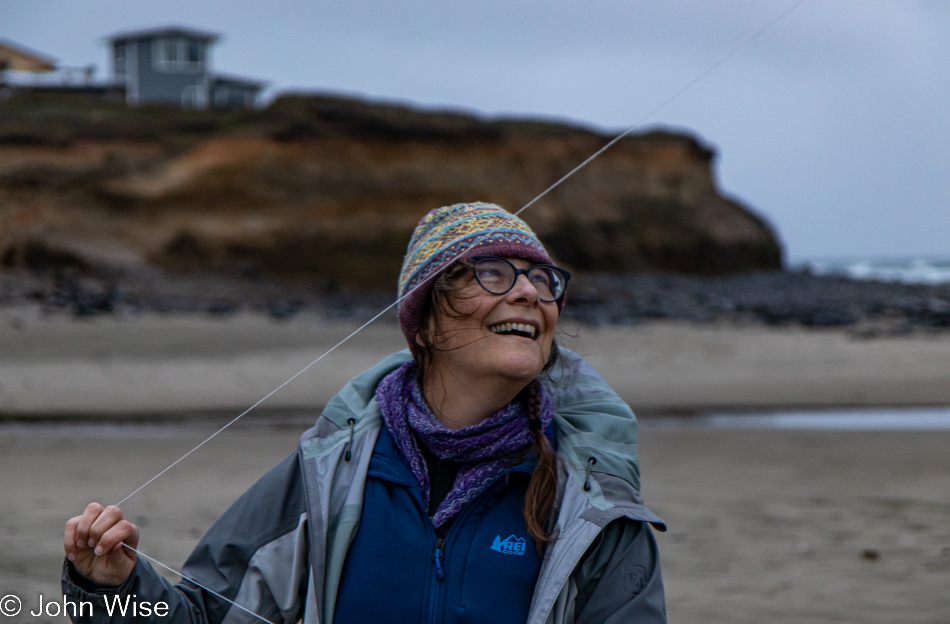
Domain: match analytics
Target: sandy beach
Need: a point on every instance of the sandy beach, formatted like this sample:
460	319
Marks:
150	364
765	526
777	526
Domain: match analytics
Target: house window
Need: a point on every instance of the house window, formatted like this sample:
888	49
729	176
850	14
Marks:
119	67
178	54
166	54
194	53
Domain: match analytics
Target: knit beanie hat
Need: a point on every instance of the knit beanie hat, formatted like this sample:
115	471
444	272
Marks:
453	233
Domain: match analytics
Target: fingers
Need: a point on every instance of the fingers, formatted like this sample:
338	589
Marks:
69	538
121	531
93	510
98	528
76	536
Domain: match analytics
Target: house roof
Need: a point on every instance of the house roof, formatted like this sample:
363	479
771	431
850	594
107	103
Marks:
19	58
164	31
238	81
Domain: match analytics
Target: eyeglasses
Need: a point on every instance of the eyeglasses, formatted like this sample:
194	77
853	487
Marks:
498	276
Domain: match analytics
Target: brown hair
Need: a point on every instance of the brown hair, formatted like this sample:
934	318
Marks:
542	489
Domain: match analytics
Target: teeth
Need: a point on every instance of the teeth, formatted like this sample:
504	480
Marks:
524	328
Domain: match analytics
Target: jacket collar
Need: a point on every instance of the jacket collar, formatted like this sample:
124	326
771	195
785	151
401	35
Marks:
591	421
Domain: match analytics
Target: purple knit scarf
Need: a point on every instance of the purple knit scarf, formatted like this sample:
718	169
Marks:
484	450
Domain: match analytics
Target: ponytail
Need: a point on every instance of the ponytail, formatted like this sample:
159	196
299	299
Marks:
542	489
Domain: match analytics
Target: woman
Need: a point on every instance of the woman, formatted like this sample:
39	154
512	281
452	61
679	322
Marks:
446	484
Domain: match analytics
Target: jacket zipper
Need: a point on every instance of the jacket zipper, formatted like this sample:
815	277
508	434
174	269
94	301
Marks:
439	573
443	531
436	591
438	556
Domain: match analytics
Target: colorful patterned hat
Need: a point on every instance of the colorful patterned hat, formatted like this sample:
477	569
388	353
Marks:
453	233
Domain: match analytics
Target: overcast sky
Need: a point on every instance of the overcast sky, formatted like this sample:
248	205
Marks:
834	124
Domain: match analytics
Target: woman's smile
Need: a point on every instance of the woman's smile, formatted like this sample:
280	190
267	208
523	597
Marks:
515	328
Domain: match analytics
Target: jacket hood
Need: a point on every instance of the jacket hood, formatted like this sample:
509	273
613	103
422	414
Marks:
592	421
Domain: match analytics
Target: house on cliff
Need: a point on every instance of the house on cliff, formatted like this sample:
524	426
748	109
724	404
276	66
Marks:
23	70
164	65
14	57
172	65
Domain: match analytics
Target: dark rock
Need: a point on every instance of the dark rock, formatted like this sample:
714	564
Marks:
871	554
282	309
772	298
866	309
221	308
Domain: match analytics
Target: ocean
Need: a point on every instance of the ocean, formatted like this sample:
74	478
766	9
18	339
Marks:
860	419
867	419
903	270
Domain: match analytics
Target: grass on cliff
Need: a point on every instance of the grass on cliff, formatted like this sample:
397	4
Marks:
60	119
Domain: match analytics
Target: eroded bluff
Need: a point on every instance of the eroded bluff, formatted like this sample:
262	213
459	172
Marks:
332	187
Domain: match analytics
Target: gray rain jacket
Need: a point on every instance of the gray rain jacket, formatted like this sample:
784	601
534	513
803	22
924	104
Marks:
279	551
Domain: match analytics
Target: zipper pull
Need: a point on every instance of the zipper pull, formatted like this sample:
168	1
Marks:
439	573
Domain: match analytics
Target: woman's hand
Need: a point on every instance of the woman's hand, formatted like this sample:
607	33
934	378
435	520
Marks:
92	543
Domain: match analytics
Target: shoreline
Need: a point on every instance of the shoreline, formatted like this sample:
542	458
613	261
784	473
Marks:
163	426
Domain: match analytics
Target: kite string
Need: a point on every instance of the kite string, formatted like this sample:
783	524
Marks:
560	181
665	103
272	392
191	580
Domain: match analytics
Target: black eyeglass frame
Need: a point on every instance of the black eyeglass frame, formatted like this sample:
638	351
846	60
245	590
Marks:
474	260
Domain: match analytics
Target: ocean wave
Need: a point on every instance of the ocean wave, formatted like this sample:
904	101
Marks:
904	271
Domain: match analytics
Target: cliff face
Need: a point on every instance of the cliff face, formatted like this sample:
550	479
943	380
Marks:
332	188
